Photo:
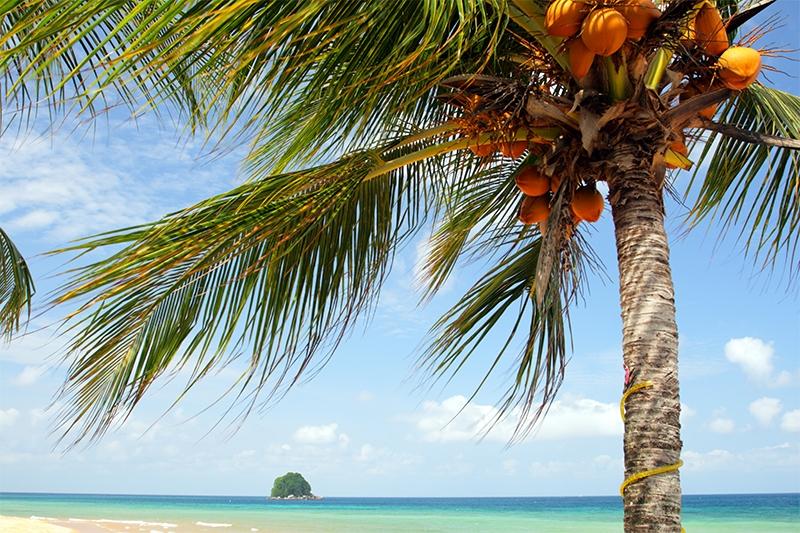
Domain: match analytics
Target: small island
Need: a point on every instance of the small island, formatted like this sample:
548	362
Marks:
292	486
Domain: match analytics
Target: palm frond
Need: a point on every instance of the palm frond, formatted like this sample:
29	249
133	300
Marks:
751	184
351	68
291	77
475	210
275	272
74	56
16	286
506	294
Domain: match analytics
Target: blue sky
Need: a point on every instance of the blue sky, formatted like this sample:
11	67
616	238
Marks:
364	426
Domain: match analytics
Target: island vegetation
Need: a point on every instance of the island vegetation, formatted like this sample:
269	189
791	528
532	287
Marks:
292	485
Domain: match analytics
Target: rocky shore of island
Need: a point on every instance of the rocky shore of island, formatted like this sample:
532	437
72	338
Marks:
293	497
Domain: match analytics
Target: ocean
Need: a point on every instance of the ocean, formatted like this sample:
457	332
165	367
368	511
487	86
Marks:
740	513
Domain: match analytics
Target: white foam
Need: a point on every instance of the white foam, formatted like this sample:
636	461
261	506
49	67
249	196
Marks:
212	524
34	517
140	523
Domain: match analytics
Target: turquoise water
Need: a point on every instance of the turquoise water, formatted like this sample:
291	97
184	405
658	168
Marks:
750	513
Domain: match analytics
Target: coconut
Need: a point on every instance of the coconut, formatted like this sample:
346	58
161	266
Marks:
604	31
513	149
587	204
532	182
563	17
739	67
710	31
534	209
580	58
640	14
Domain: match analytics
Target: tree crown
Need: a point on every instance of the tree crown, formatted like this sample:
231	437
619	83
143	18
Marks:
290	484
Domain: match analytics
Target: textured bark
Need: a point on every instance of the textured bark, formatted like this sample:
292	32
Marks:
650	345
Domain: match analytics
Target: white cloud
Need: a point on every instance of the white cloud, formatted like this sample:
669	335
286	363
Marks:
324	434
686	412
9	458
37	348
29	375
551	468
753	355
510	466
722	425
382	460
365	396
61	187
708	460
366	452
572	418
8	417
606	462
38	415
73	197
765	409
783	378
791	421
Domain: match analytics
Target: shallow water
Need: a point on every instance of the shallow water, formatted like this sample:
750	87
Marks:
751	513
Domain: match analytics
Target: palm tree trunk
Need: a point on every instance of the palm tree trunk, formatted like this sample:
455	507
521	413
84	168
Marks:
649	347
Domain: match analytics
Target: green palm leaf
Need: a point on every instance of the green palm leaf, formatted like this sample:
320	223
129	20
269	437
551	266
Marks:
750	184
274	272
293	76
16	286
74	55
538	332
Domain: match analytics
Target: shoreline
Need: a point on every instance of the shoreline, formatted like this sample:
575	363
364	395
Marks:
19	524
44	524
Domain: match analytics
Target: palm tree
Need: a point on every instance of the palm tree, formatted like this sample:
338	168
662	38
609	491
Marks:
369	121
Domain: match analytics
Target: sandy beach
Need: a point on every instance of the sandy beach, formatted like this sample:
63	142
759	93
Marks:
15	524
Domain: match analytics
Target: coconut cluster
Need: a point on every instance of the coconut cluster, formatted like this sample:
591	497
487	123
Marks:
738	66
594	30
539	190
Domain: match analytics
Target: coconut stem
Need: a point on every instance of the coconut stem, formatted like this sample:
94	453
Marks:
619	86
522	134
657	68
447	127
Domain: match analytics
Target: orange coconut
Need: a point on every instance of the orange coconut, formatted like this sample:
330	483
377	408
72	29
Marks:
680	148
604	31
532	182
534	209
639	14
739	67
587	204
710	31
513	149
563	17
580	58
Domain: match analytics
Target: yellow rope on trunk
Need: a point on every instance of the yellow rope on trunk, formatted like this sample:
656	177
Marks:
638	476
633	478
